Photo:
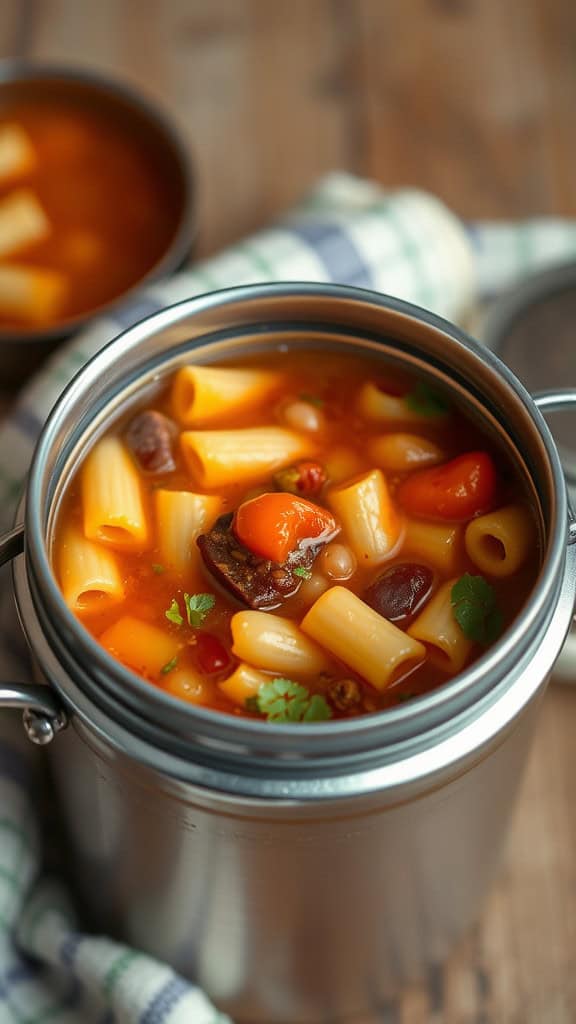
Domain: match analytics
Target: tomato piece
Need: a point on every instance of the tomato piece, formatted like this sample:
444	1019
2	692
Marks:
211	654
457	490
272	525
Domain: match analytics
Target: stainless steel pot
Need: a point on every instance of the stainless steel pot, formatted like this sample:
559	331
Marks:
300	875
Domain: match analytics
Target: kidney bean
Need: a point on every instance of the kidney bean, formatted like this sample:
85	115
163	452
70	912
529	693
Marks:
211	654
149	436
398	593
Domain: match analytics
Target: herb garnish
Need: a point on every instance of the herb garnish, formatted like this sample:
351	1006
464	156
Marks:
426	401
157	568
173	613
197	607
169	666
475	609
282	700
300	570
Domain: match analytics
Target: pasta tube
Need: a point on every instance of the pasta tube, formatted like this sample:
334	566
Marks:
379	407
365	641
438	544
31	293
500	542
22	221
244	682
436	627
181	517
369	519
88	574
399	452
111	498
140	645
206	394
216	458
275	643
17	155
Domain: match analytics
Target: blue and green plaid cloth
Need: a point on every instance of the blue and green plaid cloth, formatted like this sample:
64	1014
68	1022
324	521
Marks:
348	231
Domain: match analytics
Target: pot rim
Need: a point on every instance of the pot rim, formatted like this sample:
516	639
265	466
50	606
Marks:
214	728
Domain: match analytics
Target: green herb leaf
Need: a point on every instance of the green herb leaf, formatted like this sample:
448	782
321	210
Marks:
475	609
157	568
312	399
197	607
169	666
173	613
425	401
283	700
306	574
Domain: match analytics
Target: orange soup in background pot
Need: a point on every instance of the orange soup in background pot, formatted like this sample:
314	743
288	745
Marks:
298	566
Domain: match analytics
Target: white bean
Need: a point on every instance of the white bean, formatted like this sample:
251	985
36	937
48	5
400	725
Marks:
300	415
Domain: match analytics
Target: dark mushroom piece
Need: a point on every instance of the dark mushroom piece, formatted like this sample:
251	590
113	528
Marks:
255	581
150	436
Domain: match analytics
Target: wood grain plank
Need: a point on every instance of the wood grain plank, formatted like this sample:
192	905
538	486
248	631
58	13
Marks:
250	84
455	101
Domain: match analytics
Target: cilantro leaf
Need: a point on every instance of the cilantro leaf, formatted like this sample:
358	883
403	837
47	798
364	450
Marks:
306	574
426	401
475	609
169	666
173	613
157	569
197	607
282	700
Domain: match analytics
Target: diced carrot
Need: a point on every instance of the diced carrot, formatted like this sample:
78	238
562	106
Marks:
273	525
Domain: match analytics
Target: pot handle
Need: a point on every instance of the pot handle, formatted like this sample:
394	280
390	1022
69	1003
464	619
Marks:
557	401
42	715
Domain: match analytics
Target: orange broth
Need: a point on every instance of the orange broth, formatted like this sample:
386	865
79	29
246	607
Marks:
332	386
107	194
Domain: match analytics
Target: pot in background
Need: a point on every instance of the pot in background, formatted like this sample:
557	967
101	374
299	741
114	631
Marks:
297	875
23	349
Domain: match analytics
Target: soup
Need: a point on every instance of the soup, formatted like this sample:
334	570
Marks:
296	546
88	206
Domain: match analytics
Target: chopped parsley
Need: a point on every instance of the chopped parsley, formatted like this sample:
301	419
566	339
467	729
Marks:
424	400
169	666
300	570
157	569
197	607
475	609
282	700
173	613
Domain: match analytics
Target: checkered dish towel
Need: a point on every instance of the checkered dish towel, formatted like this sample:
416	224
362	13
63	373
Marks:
348	231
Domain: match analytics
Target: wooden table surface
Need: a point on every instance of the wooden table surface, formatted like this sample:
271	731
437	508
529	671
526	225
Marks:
473	100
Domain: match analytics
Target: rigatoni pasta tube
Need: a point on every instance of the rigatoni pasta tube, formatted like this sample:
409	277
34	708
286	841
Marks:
244	682
111	498
17	154
378	406
33	294
437	628
216	458
206	394
140	645
22	221
365	641
437	544
88	573
400	452
500	542
275	643
181	516
370	521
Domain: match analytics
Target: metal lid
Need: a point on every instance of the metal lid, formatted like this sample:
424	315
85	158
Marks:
533	330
